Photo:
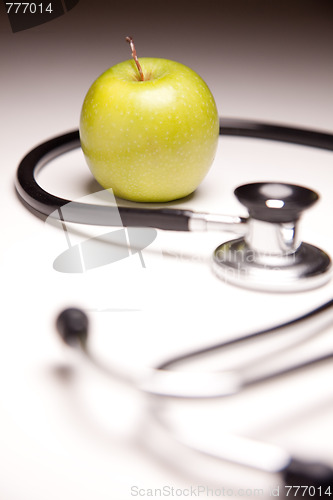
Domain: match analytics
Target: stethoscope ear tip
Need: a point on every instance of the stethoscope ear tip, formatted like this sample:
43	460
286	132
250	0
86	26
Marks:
72	325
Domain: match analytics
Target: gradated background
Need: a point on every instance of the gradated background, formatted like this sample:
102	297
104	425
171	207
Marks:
263	60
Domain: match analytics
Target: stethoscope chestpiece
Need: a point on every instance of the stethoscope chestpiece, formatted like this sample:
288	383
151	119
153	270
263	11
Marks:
270	255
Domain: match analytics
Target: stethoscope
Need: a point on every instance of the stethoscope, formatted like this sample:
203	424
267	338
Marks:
268	242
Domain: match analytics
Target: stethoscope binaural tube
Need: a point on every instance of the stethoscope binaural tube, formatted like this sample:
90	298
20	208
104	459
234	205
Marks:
73	328
167	380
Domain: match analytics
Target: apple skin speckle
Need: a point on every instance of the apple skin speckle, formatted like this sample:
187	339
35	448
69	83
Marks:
152	140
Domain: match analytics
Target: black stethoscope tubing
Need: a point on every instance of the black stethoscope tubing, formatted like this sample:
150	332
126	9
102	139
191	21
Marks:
43	203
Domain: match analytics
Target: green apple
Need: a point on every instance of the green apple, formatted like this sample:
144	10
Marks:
150	140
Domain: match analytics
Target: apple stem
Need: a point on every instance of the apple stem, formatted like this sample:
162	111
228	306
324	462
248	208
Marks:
129	39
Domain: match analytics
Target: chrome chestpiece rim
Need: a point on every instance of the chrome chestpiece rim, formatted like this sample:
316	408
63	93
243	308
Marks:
270	256
307	268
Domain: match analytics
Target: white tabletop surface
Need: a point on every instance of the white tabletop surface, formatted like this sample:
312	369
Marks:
65	430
